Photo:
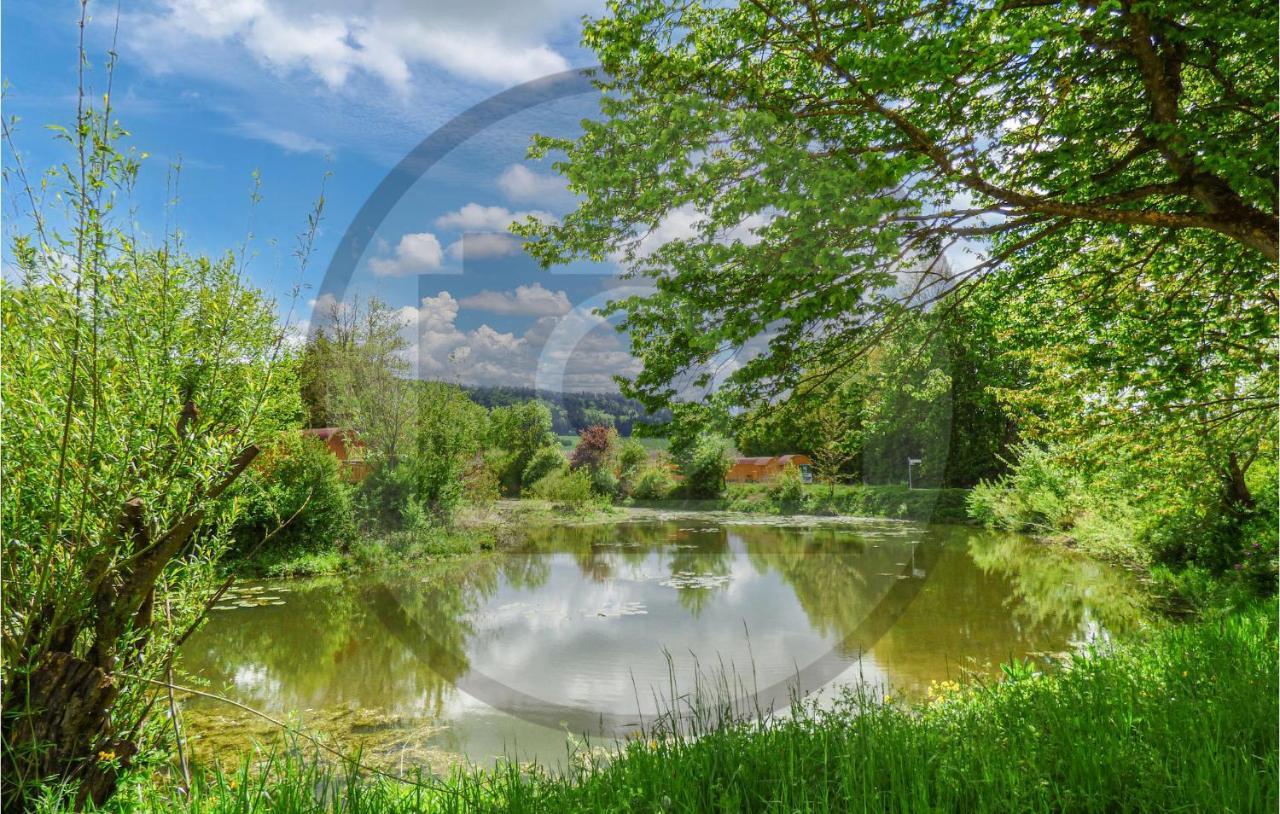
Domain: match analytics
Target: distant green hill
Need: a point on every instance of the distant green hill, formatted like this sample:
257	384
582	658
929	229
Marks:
571	412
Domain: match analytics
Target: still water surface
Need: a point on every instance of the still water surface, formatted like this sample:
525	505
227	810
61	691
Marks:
582	630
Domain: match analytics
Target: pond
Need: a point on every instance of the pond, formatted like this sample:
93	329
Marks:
590	630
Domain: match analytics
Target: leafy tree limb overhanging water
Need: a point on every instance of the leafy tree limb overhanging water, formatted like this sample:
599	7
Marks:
820	151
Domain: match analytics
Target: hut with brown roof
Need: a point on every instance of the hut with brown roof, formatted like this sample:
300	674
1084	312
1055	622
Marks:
765	468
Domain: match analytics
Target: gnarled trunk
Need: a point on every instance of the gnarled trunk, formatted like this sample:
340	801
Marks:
58	725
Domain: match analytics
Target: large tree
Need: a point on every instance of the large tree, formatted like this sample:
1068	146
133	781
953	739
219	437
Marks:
826	155
1109	170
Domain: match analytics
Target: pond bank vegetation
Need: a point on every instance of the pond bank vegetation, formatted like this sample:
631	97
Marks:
1182	717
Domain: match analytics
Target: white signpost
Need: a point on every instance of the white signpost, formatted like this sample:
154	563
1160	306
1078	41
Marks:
910	463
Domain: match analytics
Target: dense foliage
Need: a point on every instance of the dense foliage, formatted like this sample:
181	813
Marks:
140	383
293	500
596	449
703	463
520	431
927	231
543	463
450	430
842	162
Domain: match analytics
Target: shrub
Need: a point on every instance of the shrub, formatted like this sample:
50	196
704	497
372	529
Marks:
654	482
450	431
1039	494
139	384
568	487
481	485
544	462
604	483
596	448
632	457
788	489
704	464
298	482
519	431
386	498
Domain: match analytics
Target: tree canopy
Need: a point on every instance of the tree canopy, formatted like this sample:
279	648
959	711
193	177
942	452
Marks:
839	162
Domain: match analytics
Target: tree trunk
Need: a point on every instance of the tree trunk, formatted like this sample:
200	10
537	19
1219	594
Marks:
1236	495
58	726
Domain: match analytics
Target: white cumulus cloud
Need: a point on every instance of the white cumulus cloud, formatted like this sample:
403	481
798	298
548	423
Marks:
415	253
484	245
489	41
485	355
474	217
531	300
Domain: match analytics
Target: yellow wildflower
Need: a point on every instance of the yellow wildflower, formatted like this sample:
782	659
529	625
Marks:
107	756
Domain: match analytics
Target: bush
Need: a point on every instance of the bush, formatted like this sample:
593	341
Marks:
596	448
704	465
301	477
568	487
450	431
1039	494
632	458
1043	495
654	482
604	483
519	431
544	462
788	489
386	498
481	485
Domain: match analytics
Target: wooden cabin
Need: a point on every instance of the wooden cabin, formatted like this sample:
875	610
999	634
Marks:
765	468
347	447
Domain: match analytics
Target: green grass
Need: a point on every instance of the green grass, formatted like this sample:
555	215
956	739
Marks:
1182	719
937	505
394	548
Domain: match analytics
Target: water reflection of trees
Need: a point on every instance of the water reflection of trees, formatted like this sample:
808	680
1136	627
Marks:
855	585
329	643
1053	586
919	599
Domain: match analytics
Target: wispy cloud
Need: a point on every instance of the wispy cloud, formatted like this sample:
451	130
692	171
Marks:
488	42
287	140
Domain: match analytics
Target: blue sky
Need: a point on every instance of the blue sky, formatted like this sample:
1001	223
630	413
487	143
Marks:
298	89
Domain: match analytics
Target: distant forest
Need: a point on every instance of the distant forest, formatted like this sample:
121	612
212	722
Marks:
571	412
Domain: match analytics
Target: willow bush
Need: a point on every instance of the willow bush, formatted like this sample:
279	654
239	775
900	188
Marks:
140	382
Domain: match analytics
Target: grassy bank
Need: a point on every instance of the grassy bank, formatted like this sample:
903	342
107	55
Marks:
368	552
472	532
898	502
1182	718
